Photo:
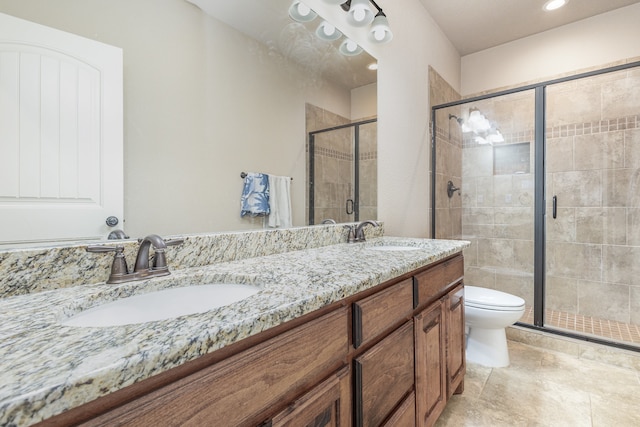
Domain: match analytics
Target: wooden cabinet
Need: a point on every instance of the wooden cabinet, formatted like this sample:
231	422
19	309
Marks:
456	361
440	358
431	368
242	388
383	376
328	404
389	356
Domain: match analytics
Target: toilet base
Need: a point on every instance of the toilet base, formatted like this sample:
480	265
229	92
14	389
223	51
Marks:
488	347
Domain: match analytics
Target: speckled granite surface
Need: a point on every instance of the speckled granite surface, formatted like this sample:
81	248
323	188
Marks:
46	368
29	270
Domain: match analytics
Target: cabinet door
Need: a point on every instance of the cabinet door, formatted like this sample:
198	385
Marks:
431	380
327	404
383	376
456	364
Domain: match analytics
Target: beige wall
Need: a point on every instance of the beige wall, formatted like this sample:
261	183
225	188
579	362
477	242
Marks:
602	39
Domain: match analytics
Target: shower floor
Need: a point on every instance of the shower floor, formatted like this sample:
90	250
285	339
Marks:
609	329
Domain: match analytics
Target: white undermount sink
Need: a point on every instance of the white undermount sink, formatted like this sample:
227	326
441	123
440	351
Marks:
393	248
163	304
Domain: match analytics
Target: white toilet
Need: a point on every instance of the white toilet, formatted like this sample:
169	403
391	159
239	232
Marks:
487	313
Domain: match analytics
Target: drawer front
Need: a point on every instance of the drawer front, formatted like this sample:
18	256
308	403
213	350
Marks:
405	415
380	312
237	390
383	375
434	282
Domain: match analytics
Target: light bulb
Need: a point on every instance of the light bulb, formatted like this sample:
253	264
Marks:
359	15
303	9
328	29
379	34
351	46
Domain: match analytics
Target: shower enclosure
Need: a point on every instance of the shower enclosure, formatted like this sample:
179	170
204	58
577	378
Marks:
342	166
549	196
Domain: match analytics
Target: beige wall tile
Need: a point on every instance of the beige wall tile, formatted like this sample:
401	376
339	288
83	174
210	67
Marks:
496	253
599	151
580	261
633	226
589	225
483	277
615	226
514	283
562	228
620	97
634	304
620	264
561	294
632	148
578	188
477	161
559	154
604	300
568	104
621	188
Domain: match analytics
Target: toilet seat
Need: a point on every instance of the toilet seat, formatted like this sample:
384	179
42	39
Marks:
490	299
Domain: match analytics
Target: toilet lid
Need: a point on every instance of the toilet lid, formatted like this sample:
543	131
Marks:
491	299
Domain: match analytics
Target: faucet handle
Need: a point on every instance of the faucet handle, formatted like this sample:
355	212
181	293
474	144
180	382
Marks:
119	267
173	242
351	234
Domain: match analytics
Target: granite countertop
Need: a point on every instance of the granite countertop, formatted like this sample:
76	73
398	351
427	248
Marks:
47	368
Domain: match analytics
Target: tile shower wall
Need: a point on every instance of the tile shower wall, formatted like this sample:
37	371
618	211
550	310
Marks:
334	167
448	159
498	198
593	167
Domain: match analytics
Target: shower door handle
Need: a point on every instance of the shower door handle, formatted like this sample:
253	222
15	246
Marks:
349	207
555	207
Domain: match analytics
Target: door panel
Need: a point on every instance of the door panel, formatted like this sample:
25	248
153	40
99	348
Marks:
61	134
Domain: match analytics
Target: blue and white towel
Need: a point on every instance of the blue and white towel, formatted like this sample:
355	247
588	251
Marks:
255	195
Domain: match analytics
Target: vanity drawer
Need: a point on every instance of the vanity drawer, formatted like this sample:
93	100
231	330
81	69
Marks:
381	311
383	376
435	281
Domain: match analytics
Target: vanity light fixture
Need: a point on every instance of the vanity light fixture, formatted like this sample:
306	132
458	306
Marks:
328	32
380	31
300	12
554	4
359	12
349	48
360	15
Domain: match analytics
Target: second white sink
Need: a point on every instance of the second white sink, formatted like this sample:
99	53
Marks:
161	305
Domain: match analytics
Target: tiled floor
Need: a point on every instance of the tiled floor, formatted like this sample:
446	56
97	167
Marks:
609	329
546	388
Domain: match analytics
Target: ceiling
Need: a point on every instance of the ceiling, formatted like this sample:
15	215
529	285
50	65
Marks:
475	25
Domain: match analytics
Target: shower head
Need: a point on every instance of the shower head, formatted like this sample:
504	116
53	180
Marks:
460	120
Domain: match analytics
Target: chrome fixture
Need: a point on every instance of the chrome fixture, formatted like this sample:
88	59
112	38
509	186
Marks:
356	232
329	221
460	120
120	272
451	189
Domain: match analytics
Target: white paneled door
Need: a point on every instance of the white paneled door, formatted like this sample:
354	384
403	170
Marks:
61	134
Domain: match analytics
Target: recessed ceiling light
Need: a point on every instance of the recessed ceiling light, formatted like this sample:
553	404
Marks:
373	66
554	4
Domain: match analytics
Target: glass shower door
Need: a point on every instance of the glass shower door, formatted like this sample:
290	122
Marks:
592	280
343	173
486	149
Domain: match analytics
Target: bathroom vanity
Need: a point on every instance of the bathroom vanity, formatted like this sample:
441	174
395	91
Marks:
377	338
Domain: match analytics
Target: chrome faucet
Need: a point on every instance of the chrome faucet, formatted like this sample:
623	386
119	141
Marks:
142	270
356	232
